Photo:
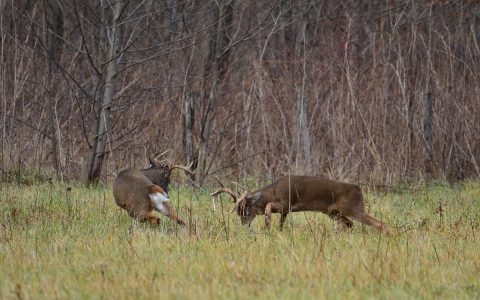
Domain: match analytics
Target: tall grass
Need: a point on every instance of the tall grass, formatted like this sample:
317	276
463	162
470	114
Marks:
56	243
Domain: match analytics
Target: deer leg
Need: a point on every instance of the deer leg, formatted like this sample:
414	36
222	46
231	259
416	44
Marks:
268	214
162	204
283	217
150	217
170	213
368	220
344	221
277	207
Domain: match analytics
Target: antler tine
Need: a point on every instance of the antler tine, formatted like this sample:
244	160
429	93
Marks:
219	182
161	154
224	189
186	169
239	201
239	185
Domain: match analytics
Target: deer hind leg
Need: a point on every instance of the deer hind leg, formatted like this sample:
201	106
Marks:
368	220
354	209
161	203
147	217
165	209
170	213
268	215
154	220
340	219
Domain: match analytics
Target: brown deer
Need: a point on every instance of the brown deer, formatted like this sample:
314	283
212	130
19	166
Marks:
140	192
340	201
160	171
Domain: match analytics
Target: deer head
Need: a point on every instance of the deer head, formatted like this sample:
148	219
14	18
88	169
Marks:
244	204
160	170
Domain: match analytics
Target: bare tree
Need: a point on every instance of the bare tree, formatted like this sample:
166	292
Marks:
303	132
216	68
427	133
334	87
189	121
103	104
53	40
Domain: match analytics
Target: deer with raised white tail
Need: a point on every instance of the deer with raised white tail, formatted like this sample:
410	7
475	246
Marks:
140	192
340	201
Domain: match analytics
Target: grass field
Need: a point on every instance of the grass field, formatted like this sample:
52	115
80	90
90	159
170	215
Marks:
59	244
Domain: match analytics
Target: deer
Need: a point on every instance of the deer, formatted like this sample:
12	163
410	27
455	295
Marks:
140	192
340	201
160	171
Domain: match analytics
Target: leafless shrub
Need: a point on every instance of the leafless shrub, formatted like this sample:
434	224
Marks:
390	89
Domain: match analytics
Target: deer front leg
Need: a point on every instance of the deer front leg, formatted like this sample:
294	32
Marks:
282	220
275	207
268	214
278	208
342	220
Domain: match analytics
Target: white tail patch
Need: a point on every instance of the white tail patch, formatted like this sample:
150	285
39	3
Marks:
157	201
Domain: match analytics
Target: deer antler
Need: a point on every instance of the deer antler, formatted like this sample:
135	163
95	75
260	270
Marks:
240	200
224	189
186	169
154	159
161	154
238	185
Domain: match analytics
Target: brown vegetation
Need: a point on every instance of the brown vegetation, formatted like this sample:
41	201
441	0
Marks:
385	91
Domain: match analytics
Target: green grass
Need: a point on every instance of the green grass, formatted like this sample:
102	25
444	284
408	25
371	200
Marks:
78	244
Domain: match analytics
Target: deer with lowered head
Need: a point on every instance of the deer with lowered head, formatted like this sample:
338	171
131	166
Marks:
140	192
340	201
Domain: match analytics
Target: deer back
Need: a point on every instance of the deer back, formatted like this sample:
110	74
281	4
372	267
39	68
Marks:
308	193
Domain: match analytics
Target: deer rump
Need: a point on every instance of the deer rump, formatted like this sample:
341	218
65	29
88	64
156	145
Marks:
139	196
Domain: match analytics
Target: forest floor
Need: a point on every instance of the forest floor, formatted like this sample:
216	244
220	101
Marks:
68	241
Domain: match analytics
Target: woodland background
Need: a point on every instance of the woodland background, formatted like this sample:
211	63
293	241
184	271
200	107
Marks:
382	91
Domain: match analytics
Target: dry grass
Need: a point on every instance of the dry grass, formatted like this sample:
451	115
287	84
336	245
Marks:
77	244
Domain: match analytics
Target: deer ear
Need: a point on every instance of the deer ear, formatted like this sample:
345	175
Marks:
151	161
253	198
154	162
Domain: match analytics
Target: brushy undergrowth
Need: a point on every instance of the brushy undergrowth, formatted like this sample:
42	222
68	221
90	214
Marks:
57	243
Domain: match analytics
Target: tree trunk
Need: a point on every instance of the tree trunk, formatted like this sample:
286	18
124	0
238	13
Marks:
427	133
188	123
304	135
53	34
188	105
173	19
287	22
101	136
216	68
303	132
